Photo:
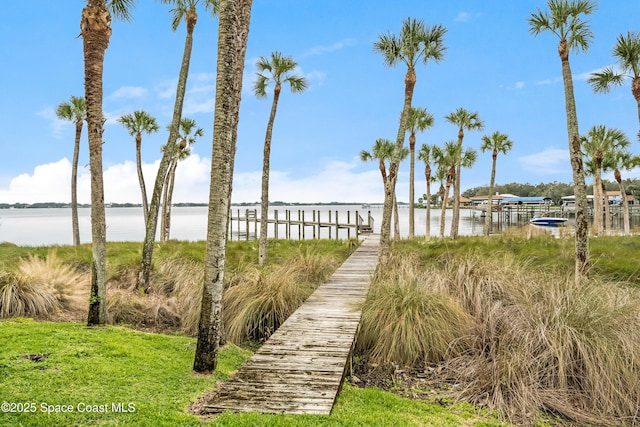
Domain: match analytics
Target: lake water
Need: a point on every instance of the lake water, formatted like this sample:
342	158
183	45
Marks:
36	227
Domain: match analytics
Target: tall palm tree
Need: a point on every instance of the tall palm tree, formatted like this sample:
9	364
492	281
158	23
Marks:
621	159
599	146
184	10
415	43
74	111
136	124
277	69
627	52
232	43
496	143
419	121
95	29
425	155
446	158
564	19
464	120
189	134
382	151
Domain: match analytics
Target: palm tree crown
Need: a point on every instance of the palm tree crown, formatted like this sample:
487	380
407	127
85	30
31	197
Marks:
497	143
74	111
277	70
627	51
139	122
416	42
563	19
185	10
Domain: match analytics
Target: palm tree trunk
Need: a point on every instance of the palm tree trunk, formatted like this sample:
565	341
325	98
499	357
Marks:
427	230
445	200
456	201
165	202
75	226
396	220
635	90
598	208
143	188
412	162
625	203
165	162
582	223
607	211
264	197
232	39
390	185
489	214
96	29
166	230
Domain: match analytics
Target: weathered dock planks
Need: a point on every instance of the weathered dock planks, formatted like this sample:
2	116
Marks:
300	368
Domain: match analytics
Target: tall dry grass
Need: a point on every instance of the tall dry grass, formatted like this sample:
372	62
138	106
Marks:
43	288
537	341
264	298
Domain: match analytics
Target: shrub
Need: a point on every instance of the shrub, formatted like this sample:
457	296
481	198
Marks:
263	299
20	297
70	287
405	323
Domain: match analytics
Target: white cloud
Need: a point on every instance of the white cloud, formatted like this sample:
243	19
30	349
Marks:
547	162
549	81
129	92
462	17
322	49
336	181
57	126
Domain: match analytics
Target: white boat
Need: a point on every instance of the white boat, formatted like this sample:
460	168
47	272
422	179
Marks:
547	221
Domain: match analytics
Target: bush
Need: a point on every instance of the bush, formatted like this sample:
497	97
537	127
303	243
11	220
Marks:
537	341
262	299
20	297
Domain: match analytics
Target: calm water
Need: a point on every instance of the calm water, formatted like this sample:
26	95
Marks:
35	227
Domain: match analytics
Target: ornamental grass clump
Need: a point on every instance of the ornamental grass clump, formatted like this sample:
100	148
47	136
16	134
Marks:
407	322
265	297
537	341
44	288
20	297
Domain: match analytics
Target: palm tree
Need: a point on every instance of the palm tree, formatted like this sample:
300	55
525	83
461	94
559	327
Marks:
599	146
277	70
136	124
382	151
189	133
233	32
184	10
95	29
446	158
497	143
419	121
416	42
627	52
74	111
564	20
621	158
425	155
464	120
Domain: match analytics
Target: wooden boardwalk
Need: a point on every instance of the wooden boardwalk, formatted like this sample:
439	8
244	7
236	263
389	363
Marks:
300	368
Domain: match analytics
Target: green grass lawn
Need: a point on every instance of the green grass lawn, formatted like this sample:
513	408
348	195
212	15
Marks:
127	377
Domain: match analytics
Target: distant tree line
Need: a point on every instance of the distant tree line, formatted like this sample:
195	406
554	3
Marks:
555	190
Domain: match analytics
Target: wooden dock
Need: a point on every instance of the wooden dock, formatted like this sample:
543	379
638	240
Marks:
300	368
292	225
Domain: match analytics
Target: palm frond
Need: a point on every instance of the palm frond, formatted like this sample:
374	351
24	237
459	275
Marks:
121	9
602	81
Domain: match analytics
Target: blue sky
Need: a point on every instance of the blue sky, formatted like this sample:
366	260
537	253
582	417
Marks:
492	65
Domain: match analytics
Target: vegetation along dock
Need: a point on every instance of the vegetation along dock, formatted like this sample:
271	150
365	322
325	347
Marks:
300	368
